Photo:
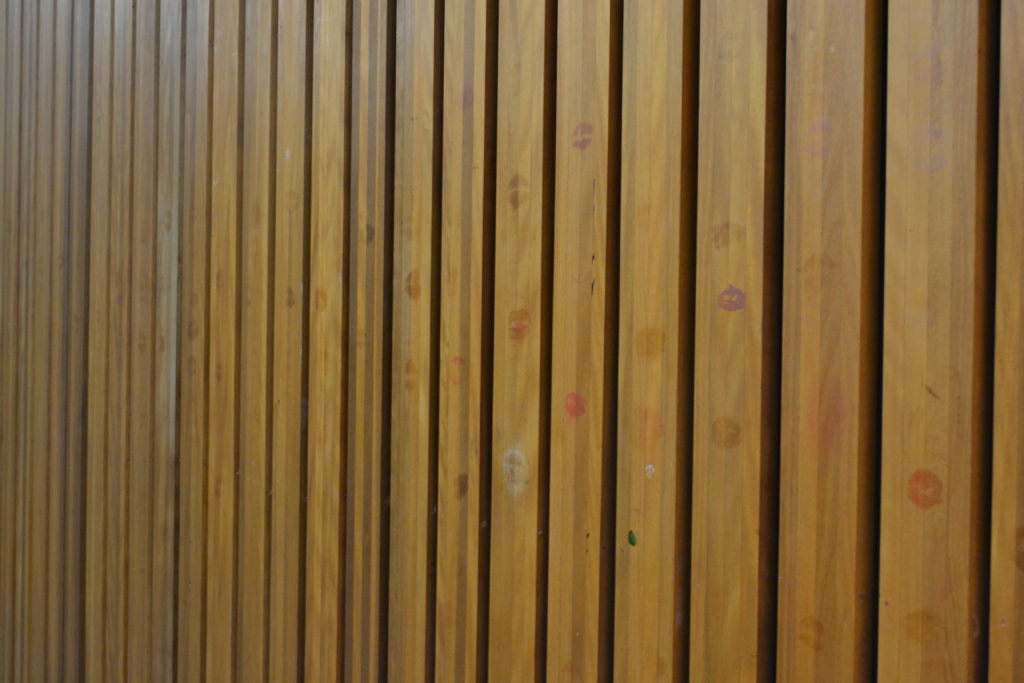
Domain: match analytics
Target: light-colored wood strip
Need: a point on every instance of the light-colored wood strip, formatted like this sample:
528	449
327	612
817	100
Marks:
735	401
652	422
194	336
935	322
1006	601
74	530
223	453
169	222
412	366
367	344
290	244
518	456
254	370
830	341
464	232
142	255
98	351
578	595
324	523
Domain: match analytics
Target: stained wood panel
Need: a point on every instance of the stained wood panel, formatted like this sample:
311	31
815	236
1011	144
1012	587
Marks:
509	340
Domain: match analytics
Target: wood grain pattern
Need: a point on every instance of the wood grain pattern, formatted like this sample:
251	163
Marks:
654	342
935	370
369	285
1006	600
579	595
466	225
735	388
519	451
830	341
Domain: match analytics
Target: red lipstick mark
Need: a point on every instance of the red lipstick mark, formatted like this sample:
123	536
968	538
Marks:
726	432
732	299
518	191
412	284
575	405
820	138
924	489
455	370
724	233
582	136
519	324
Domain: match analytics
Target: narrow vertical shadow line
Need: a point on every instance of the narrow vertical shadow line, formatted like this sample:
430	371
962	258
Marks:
687	342
988	143
873	305
435	333
487	337
609	436
772	335
547	273
388	334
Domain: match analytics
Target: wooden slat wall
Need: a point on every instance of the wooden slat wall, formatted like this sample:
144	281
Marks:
511	340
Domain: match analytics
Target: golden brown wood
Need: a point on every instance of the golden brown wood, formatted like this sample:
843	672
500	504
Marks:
935	371
735	397
830	341
368	245
413	366
1006	601
653	401
519	403
464	237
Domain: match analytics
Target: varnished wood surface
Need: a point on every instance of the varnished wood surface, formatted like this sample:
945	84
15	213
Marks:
510	340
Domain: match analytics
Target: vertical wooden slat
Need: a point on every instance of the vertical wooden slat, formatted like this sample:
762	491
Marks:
290	302
254	368
830	341
169	222
367	343
195	333
578	596
654	341
520	399
935	372
79	178
39	132
735	390
226	162
142	257
327	382
96	411
1006	602
460	364
413	368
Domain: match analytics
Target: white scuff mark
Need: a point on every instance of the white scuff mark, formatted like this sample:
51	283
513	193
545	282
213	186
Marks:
649	471
515	471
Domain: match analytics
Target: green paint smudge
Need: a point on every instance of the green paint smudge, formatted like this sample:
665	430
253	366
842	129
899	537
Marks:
631	537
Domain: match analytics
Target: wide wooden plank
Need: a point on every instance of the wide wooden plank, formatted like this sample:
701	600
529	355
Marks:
254	341
1006	601
935	370
324	523
193	340
655	340
413	365
579	595
735	391
291	301
369	284
830	340
466	234
521	316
